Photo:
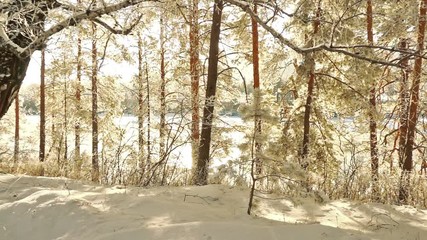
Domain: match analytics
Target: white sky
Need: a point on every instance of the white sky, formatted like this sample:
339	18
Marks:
33	71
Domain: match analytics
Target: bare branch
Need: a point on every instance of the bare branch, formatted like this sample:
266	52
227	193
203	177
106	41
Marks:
124	31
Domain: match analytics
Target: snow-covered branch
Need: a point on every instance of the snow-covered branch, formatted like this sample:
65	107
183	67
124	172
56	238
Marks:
77	17
246	6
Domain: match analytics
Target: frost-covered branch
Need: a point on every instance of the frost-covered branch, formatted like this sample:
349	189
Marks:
245	6
90	14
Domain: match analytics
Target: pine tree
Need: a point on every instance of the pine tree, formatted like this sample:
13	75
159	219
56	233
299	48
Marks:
413	107
201	177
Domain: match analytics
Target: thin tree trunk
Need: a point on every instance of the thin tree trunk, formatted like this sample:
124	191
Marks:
403	102
257	94
42	147
148	163
201	177
162	127
413	106
16	150
65	131
140	108
310	87
195	78
77	154
372	110
95	161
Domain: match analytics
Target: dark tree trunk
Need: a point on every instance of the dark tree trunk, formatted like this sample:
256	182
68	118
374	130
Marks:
95	161
195	78
13	67
413	107
42	149
201	177
372	110
16	151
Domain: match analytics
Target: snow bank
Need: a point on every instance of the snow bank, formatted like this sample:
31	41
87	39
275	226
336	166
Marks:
58	208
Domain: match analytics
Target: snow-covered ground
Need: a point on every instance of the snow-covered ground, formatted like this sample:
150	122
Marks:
57	208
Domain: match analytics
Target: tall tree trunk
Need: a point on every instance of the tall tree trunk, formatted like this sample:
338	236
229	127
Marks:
195	78
162	127
140	108
65	130
257	93
372	110
77	153
413	106
147	80
201	177
95	161
16	150
404	99
42	147
310	87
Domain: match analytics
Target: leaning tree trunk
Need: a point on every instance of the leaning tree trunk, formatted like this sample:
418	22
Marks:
413	107
201	174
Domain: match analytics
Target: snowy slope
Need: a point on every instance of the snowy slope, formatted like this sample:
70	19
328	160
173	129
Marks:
54	208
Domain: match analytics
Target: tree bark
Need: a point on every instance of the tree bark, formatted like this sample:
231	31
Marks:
201	177
95	161
372	109
195	78
16	47
413	107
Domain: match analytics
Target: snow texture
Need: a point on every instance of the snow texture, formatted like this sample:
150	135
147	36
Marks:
58	208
